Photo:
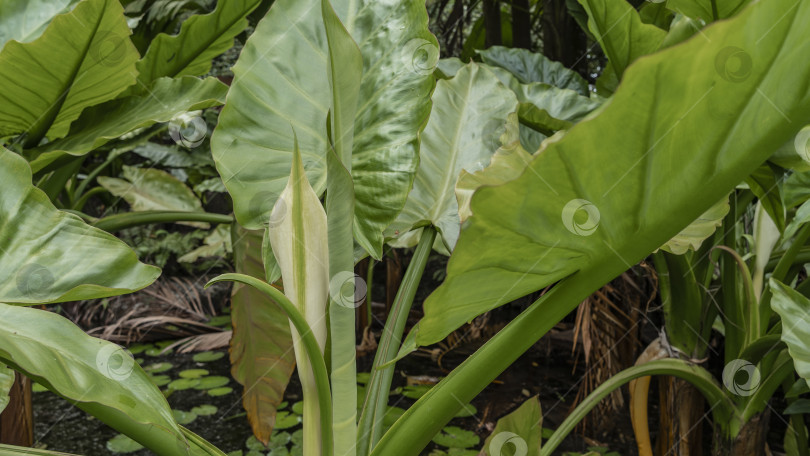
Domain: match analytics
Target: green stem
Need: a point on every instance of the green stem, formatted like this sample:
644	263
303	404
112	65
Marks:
119	222
755	351
722	407
370	428
98	169
79	205
776	375
9	450
311	347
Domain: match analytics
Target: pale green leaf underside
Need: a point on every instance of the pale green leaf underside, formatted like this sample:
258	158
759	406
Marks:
794	310
82	59
508	163
704	226
25	20
530	67
96	374
51	256
253	141
468	117
150	189
674	139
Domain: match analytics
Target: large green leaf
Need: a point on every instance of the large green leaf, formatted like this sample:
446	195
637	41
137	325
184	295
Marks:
794	310
201	38
252	143
469	114
52	256
165	99
6	382
82	59
25	20
530	67
618	28
262	359
676	137
150	189
98	376
518	433
707	10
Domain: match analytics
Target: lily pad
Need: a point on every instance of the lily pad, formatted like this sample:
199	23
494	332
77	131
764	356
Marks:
183	384
214	381
184	417
279	440
207	357
123	444
160	380
253	444
285	420
139	348
156	351
363	377
205	410
297	437
455	437
298	407
220	391
194	373
280	451
415	391
158	368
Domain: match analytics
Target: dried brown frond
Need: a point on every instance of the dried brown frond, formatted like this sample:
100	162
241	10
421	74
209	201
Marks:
608	323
